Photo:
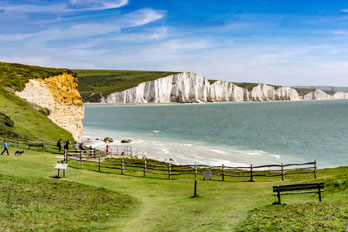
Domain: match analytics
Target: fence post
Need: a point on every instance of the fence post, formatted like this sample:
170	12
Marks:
144	168
223	172
169	171
122	166
195	188
18	141
315	169
43	146
99	165
282	167
251	173
81	160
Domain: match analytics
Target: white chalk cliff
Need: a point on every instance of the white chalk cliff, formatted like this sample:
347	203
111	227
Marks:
189	87
60	96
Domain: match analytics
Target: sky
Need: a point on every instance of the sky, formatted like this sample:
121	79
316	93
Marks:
285	42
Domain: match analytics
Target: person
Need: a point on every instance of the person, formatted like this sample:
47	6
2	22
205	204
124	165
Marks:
59	145
76	147
82	148
107	148
66	146
5	146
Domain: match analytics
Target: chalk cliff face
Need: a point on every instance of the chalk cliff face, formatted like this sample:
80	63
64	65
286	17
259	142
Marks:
59	94
190	87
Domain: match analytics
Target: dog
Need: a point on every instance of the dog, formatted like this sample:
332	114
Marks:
18	153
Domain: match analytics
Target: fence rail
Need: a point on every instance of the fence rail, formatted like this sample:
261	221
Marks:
170	170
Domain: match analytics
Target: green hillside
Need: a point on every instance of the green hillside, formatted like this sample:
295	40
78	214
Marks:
17	116
93	84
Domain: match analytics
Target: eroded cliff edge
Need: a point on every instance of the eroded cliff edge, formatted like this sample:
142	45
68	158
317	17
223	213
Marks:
60	96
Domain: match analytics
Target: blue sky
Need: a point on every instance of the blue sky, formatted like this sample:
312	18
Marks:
288	42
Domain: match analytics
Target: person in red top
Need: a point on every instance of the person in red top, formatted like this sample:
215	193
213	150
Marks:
107	148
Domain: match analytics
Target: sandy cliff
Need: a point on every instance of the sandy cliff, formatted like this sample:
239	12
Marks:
59	94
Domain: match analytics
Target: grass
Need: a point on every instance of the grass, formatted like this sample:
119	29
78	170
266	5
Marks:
164	205
15	76
27	121
95	84
37	204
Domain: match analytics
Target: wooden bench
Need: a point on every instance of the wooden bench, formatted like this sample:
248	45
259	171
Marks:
37	145
289	189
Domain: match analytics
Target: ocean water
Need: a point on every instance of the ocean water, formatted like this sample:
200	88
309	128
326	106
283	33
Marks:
229	133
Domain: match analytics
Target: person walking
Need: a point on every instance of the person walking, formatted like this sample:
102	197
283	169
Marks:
59	145
76	147
5	146
66	146
82	148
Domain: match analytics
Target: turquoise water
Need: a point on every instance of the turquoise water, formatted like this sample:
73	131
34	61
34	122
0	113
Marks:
229	133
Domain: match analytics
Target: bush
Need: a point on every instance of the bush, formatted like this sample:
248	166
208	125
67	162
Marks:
44	111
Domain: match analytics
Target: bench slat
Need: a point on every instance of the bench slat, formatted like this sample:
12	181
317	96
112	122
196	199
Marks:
290	193
284	189
295	185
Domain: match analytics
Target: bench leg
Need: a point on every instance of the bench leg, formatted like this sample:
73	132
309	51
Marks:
63	172
58	172
319	193
278	195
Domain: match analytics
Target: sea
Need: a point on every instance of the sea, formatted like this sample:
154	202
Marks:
232	134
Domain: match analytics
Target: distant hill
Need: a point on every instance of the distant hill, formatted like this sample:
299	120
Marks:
324	88
95	84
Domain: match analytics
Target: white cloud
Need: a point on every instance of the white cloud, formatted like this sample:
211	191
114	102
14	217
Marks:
345	10
65	7
140	17
98	4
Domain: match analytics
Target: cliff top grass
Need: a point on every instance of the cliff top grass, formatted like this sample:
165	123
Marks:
15	76
93	84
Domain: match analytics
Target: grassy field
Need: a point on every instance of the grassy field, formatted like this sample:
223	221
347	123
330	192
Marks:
38	204
93	84
164	205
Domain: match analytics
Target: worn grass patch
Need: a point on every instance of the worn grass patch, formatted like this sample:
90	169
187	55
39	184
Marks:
55	205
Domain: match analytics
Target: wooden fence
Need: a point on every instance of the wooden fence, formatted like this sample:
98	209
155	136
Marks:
170	170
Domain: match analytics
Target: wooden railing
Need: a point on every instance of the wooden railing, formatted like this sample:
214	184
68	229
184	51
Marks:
170	170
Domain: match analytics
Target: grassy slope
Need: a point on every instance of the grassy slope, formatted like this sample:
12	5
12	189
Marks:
28	122
165	205
38	204
94	83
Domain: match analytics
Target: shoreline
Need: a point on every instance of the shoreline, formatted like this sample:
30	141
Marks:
201	103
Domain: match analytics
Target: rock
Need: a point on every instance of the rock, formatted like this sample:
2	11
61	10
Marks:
59	95
97	139
126	141
108	140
